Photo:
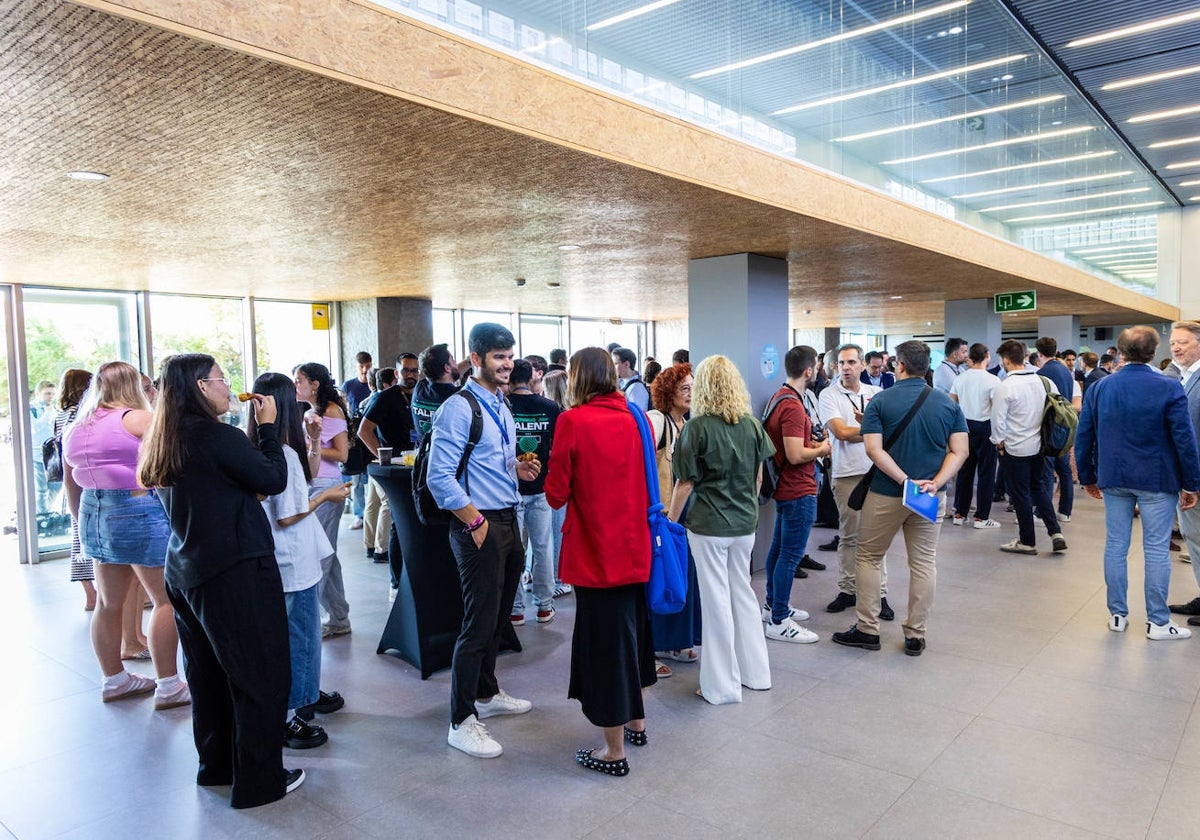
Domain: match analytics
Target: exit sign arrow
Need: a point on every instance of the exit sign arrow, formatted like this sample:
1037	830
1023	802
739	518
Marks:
1016	301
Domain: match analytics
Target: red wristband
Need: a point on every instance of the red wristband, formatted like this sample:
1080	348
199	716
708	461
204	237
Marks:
477	524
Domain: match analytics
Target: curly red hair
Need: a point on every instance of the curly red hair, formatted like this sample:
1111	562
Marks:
662	391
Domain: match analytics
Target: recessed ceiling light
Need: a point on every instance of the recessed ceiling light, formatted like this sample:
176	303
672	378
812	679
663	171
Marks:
1194	198
1025	138
903	83
1188	183
956	30
1089	197
1056	122
954	118
897	297
1082	179
929	323
632	13
1007	77
1182	141
832	39
1015	167
569	247
1136	29
1184	164
1118	209
1123	247
84	175
1163	115
1153	77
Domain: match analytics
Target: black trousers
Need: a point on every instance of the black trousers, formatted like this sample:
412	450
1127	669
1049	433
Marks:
234	633
981	461
1027	492
490	575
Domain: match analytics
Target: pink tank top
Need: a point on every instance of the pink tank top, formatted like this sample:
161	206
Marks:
102	453
331	427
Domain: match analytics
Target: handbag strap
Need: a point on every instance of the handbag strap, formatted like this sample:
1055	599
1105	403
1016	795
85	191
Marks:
649	459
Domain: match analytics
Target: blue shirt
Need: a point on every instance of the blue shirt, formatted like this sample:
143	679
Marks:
356	391
921	448
491	471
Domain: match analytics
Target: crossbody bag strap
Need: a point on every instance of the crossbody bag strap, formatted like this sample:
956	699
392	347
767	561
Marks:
649	459
912	412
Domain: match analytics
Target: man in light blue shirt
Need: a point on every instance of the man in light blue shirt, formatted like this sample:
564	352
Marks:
956	357
488	546
628	379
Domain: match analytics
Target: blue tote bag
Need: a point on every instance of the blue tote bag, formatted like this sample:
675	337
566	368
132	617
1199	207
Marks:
666	591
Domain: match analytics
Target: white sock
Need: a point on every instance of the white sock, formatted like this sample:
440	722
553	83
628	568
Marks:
290	714
168	685
116	680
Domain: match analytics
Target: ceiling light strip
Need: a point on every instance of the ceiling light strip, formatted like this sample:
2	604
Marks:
903	83
1080	180
1069	200
1184	164
631	14
1153	77
1182	141
1136	29
1123	247
850	138
832	39
1118	209
1012	141
1188	184
1164	115
1018	166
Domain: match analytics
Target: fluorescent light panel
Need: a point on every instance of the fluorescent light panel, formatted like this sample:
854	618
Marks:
1012	141
832	39
1025	104
1080	180
1184	164
916	80
1182	141
1064	200
1153	77
1164	115
1188	183
1015	167
1136	29
1118	209
1126	257
1125	247
631	14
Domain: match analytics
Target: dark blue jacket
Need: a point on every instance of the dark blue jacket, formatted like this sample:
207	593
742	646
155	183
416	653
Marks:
886	379
1135	432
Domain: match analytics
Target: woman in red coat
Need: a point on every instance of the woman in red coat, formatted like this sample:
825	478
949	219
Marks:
599	470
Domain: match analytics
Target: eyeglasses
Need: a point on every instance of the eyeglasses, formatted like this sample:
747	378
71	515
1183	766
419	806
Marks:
215	379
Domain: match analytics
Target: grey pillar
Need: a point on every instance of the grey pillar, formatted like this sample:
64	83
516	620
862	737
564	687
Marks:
1062	328
974	321
738	307
384	327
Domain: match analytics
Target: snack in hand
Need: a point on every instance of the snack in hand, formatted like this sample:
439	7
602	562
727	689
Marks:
527	456
244	397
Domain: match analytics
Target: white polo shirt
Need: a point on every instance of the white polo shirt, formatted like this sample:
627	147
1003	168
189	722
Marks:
838	402
974	388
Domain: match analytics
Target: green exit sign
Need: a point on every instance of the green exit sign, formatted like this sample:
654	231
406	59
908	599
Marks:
1016	301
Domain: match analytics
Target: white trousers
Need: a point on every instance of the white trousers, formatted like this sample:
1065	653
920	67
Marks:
734	649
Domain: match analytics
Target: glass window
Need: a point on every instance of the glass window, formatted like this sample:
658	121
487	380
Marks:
589	333
285	337
540	334
445	330
180	324
471	317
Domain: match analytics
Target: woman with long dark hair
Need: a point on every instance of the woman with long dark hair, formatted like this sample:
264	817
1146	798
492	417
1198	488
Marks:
71	387
222	576
325	425
600	474
300	545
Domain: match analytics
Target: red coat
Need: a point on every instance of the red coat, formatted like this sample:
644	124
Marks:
599	474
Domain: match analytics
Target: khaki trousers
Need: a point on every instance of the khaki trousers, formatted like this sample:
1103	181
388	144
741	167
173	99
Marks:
882	517
848	528
377	518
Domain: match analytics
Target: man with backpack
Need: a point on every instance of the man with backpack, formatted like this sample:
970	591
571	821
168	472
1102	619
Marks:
628	378
1018	408
787	424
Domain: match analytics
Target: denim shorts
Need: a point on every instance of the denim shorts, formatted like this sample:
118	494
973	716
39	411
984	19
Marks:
118	527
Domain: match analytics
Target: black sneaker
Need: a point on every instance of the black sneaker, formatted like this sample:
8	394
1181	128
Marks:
806	562
1192	607
857	638
381	557
326	704
832	545
841	602
293	779
371	551
914	647
799	573
886	613
302	735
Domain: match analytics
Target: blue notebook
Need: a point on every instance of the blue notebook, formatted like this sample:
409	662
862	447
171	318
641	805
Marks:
926	504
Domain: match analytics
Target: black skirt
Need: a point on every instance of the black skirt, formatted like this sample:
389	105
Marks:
612	653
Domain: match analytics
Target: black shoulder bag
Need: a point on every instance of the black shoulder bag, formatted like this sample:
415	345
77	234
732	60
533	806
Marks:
859	494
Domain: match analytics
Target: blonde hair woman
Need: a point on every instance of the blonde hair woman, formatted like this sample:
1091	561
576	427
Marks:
717	464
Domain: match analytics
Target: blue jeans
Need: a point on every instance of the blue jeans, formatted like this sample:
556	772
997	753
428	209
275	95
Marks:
1061	466
794	519
1158	518
304	639
558	518
536	521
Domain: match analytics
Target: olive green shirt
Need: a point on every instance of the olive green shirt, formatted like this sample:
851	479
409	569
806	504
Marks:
722	460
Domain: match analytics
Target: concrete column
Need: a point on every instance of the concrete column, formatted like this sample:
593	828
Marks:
738	307
973	320
1189	263
1062	328
384	327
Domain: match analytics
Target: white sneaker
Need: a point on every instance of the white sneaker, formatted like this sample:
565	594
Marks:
1018	547
789	631
182	696
986	523
472	737
502	704
357	524
1117	623
793	613
1170	630
392	593
959	520
1064	517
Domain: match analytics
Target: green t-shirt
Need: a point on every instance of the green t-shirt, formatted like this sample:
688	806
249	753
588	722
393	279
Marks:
722	460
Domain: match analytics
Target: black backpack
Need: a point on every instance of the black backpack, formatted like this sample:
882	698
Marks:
359	455
427	509
771	470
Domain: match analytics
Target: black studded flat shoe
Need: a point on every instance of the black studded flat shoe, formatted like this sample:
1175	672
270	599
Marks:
619	767
638	739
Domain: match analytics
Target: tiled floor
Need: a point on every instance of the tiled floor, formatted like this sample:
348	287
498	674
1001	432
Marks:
1025	718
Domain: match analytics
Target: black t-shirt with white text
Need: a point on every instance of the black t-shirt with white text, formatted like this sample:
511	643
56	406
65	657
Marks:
535	418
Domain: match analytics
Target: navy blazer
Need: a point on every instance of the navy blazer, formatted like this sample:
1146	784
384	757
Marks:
1135	432
886	379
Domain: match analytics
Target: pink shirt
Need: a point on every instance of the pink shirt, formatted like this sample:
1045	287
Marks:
331	427
102	453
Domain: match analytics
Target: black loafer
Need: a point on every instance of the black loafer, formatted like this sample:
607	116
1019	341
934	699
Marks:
886	613
301	735
841	602
326	704
914	647
1192	607
806	562
638	739
620	767
857	638
832	545
381	557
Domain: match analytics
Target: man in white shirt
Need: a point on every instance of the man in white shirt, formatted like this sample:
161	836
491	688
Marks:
841	407
973	392
951	366
1185	365
1017	408
630	381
